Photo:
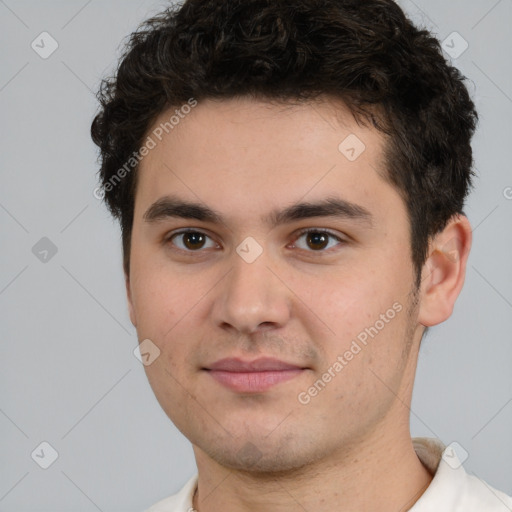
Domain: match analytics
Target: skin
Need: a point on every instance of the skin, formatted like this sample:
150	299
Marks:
349	448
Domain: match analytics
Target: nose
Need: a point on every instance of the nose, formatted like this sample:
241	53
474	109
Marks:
251	297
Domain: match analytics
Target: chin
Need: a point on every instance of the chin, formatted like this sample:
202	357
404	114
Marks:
262	457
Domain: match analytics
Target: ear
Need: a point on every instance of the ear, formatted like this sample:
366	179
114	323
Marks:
444	271
131	309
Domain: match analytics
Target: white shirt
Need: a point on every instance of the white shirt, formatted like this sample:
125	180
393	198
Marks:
451	489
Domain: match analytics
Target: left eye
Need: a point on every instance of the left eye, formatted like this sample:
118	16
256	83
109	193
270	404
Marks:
317	239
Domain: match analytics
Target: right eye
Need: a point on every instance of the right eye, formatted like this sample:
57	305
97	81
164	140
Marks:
190	240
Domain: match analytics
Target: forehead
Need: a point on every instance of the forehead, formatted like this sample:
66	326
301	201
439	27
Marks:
246	155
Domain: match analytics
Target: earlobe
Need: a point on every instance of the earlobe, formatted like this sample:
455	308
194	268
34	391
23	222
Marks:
131	309
444	271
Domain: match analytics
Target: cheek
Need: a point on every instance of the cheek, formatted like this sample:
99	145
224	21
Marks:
159	300
348	299
365	353
164	306
170	312
364	314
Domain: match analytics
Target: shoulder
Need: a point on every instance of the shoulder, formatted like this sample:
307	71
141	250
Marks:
478	495
180	502
452	489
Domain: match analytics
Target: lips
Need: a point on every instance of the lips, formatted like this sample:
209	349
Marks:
264	364
252	376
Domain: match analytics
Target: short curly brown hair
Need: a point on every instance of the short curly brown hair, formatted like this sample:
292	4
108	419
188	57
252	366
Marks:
367	53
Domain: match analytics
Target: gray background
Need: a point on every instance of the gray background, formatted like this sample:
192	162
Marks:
69	376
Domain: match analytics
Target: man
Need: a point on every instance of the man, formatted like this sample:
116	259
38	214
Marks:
289	178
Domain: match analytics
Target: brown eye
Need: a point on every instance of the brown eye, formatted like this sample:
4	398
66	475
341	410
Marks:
316	240
193	240
190	240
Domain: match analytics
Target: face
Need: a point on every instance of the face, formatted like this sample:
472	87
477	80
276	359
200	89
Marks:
281	297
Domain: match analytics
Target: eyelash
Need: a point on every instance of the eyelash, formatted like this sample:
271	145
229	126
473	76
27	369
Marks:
305	231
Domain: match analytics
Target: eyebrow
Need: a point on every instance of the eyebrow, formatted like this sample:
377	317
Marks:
174	207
